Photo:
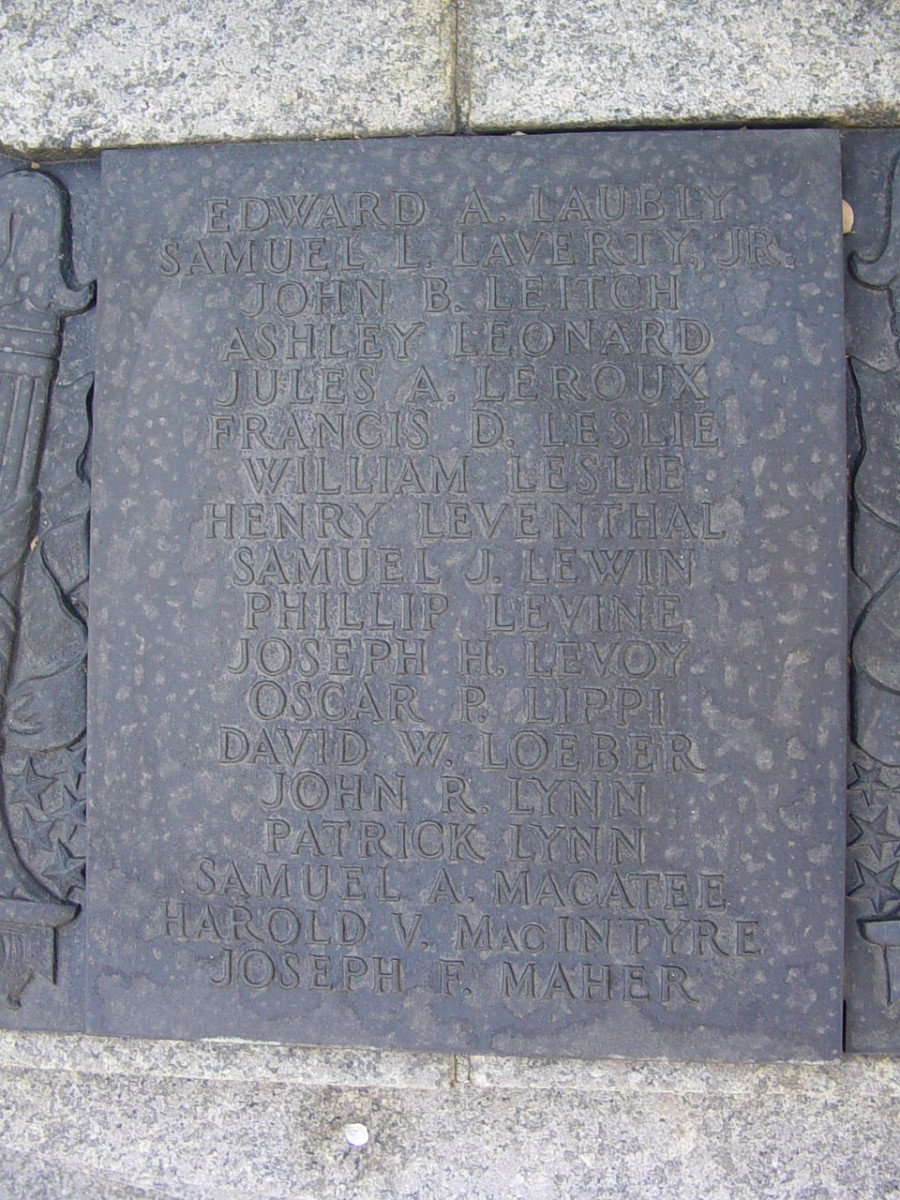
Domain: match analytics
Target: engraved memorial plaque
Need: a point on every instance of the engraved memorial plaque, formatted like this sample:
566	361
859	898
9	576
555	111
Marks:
468	595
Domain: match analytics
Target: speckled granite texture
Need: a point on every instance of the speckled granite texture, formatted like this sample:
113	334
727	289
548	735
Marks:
82	1117
90	75
533	63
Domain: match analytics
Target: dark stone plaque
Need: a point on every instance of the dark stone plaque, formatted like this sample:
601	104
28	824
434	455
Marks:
872	188
468	629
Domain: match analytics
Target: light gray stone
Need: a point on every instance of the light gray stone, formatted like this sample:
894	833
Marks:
857	1076
31	1177
223	1061
504	1130
526	64
88	74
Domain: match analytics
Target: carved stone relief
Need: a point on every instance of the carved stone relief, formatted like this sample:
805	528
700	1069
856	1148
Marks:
872	187
45	396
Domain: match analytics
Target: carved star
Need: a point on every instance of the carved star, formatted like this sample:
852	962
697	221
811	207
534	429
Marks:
876	886
74	807
75	757
66	870
27	784
36	829
866	781
873	834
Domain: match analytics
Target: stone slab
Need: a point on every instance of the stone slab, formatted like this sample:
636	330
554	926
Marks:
90	75
547	502
528	65
226	1061
728	1133
854	1076
871	187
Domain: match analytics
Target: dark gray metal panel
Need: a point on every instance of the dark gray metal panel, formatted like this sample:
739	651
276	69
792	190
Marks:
873	852
481	686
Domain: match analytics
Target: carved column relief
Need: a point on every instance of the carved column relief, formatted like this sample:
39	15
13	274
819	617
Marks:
874	786
42	652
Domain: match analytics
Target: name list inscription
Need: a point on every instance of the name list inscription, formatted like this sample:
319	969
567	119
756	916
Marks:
476	467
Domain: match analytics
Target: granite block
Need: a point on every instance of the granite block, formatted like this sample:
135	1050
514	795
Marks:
76	1136
90	75
224	1061
528	64
33	1177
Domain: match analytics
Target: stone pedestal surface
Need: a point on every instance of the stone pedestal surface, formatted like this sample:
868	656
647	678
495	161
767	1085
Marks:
83	1117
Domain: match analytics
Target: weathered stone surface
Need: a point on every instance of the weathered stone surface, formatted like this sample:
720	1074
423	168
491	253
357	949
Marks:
872	188
94	76
468	595
302	1066
616	1131
527	65
91	75
855	1076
